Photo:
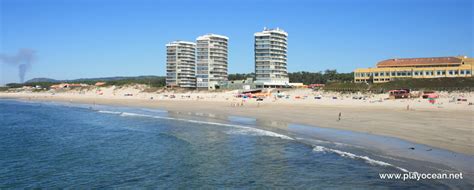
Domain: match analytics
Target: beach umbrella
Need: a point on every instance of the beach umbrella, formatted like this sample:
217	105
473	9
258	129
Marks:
433	96
431	100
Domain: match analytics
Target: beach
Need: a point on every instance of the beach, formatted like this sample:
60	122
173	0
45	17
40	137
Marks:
447	124
84	145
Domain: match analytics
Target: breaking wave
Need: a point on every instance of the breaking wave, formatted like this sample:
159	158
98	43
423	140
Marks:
354	156
241	129
109	112
244	130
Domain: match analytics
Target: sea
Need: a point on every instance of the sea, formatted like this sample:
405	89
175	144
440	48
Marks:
64	145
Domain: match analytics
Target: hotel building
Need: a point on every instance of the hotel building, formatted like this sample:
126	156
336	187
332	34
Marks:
434	67
271	58
181	64
211	62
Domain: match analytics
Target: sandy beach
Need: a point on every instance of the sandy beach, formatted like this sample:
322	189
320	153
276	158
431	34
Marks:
447	124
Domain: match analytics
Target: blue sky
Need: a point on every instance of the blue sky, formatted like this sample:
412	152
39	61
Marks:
98	38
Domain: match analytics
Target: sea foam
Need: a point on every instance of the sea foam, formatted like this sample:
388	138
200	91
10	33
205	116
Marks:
240	129
109	112
354	156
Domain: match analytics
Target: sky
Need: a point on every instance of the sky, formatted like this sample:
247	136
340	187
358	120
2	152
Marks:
102	38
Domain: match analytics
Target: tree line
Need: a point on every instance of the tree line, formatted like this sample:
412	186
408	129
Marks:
306	77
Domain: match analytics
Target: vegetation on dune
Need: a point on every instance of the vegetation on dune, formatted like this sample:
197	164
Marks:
437	84
347	86
320	77
241	76
153	81
304	77
33	84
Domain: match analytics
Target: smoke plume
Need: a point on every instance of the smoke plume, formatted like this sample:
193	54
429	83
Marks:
23	60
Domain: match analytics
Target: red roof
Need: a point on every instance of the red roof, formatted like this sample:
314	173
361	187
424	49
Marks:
412	62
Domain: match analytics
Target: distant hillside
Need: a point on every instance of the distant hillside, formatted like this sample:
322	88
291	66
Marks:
35	80
153	81
41	80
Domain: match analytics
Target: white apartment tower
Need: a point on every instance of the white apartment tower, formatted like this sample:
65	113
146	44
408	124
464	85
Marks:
270	58
211	62
181	64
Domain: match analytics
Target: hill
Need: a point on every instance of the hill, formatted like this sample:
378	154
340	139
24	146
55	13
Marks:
153	81
41	80
93	79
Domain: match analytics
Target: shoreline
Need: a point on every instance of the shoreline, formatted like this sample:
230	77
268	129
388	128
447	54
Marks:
447	129
386	150
321	140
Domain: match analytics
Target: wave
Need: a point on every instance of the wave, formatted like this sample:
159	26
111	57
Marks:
242	129
110	112
154	110
258	132
354	156
316	141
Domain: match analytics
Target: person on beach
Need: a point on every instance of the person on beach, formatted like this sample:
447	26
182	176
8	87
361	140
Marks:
339	119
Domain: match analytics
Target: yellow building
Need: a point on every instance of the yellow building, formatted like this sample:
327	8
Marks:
433	67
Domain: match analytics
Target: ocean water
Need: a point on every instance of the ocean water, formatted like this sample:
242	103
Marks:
57	145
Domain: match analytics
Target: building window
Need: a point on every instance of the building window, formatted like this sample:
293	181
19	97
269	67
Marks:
451	72
376	74
456	72
462	72
468	72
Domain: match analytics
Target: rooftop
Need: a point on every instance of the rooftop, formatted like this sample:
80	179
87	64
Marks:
267	31
178	42
411	62
207	36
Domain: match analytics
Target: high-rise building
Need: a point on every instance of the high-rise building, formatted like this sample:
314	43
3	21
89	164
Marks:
181	64
211	62
270	58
